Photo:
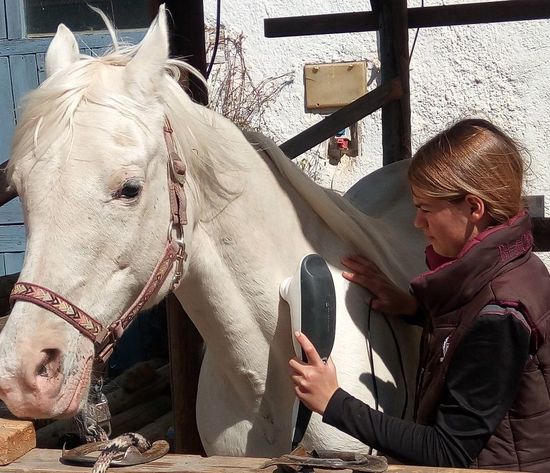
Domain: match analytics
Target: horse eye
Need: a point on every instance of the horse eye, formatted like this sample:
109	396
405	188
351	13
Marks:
130	189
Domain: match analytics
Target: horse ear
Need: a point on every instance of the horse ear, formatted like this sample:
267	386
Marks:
62	52
146	68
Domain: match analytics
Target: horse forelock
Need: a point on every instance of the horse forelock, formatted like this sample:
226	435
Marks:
49	111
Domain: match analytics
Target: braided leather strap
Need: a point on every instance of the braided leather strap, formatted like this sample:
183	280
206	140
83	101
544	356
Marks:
49	300
103	338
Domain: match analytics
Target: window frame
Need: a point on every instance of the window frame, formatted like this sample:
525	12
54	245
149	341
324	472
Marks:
16	23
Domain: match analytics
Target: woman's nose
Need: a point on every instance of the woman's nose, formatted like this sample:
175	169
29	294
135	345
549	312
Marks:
419	220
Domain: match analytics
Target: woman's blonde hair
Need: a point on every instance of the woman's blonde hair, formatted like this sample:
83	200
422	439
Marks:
472	157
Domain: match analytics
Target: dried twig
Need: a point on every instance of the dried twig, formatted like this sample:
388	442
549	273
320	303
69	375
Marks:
234	93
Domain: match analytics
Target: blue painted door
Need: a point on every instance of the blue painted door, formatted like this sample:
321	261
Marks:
24	39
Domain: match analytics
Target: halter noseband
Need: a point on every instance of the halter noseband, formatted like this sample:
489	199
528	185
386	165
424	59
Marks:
105	338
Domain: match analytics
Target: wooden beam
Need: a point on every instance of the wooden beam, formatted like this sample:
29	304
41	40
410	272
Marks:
320	24
394	62
342	118
17	437
421	17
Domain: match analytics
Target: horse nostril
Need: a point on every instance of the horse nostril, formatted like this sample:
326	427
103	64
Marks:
50	365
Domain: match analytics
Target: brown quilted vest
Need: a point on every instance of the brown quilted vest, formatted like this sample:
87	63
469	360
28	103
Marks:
497	267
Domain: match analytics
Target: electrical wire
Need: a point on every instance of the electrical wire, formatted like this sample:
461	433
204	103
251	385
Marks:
371	362
401	367
216	39
415	37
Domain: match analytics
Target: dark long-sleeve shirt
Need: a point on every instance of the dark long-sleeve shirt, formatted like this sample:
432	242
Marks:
480	388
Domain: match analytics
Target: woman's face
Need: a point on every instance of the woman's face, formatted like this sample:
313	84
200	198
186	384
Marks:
447	225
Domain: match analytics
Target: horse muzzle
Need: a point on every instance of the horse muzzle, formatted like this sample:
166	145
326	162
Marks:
41	390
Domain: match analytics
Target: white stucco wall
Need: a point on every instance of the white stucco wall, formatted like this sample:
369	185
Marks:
498	71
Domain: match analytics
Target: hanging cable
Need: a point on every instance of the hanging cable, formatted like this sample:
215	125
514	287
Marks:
401	366
216	39
415	37
371	358
399	357
371	362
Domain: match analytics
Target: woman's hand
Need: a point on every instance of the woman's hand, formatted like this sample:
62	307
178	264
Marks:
386	296
314	382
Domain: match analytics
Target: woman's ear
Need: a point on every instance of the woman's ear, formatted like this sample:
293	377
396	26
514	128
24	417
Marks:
476	207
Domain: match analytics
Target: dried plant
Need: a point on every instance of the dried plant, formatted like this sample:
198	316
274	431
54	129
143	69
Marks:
234	94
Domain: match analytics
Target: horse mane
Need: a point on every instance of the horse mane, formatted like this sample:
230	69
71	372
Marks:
368	235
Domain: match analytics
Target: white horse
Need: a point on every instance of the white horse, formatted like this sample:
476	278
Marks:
90	162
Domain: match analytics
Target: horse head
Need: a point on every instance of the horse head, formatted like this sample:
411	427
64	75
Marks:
94	170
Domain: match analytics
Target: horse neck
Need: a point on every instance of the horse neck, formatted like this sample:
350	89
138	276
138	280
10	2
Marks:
239	258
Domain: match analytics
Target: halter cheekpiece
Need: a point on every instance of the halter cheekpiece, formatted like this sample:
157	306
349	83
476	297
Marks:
105	338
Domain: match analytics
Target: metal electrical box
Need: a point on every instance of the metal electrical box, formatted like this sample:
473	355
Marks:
331	86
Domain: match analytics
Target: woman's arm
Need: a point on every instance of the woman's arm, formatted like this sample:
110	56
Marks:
481	385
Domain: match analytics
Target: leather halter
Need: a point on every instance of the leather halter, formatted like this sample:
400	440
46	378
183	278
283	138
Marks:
104	338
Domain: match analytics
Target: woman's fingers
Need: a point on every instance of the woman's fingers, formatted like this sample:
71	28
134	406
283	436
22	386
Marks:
310	351
360	279
359	264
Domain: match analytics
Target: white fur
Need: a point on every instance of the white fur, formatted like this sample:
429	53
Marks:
87	130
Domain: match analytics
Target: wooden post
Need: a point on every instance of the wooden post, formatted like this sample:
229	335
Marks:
394	63
185	361
186	22
187	41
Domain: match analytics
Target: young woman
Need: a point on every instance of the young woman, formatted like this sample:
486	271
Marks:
483	396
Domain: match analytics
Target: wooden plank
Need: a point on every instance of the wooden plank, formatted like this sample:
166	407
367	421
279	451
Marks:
89	41
342	118
11	212
15	19
47	461
13	262
16	438
7	111
24	78
420	17
320	24
476	13
3	27
12	238
394	62
157	429
41	67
